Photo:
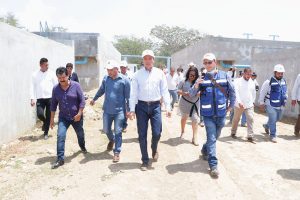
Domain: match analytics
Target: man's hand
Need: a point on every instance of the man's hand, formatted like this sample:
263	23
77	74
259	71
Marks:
199	81
32	102
92	102
169	113
262	108
51	123
77	117
131	115
241	105
294	102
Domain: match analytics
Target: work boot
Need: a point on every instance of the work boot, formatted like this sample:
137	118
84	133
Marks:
297	127
58	164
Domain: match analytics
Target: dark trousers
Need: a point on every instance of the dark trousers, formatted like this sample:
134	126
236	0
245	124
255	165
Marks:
43	113
144	113
63	125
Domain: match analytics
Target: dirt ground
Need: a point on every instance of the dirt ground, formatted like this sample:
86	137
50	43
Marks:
247	171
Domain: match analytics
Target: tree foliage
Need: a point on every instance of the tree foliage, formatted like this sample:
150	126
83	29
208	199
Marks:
175	38
10	19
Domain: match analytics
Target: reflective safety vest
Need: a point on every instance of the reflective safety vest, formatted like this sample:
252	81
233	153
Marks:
213	99
278	92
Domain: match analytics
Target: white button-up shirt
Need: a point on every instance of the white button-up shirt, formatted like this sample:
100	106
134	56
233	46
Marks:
149	86
245	92
172	81
296	89
42	84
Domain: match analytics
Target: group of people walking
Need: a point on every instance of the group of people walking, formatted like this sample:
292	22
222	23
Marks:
207	95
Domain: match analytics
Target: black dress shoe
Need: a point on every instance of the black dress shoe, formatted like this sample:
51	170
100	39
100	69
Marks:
58	164
84	151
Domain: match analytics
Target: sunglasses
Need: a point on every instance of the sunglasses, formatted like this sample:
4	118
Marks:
207	63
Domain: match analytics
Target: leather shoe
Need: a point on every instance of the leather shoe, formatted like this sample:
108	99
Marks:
58	164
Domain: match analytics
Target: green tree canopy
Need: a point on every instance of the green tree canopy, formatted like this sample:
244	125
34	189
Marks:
175	38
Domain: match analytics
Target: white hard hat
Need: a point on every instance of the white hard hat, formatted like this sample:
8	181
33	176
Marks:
148	53
209	56
112	64
279	68
123	63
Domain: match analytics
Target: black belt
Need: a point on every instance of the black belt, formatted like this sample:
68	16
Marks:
194	106
149	102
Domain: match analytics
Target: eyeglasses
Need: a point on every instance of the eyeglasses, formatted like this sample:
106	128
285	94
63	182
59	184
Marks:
207	63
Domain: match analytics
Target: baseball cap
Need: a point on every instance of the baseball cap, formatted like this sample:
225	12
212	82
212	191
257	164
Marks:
279	68
148	53
209	56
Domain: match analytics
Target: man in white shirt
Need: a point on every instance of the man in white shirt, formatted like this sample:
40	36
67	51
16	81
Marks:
173	81
272	98
42	83
245	98
295	99
149	85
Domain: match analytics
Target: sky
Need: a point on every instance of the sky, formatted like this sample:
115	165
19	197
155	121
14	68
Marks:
227	18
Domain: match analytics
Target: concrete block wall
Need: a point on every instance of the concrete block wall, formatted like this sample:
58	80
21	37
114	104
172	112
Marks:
263	64
20	52
230	49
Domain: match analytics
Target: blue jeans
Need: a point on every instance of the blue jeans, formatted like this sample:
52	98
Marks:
125	124
213	126
144	113
274	116
118	120
244	119
63	125
174	95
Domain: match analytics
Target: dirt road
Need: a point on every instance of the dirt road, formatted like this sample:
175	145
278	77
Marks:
247	171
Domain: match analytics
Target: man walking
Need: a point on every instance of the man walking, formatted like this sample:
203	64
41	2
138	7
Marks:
149	85
69	97
124	67
272	98
42	83
173	81
215	90
245	98
116	88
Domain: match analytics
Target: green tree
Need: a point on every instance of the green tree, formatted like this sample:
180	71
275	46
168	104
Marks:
10	19
175	38
130	45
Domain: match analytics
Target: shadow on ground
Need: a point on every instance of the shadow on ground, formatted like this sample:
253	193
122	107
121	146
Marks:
176	141
52	159
96	156
291	174
124	166
195	166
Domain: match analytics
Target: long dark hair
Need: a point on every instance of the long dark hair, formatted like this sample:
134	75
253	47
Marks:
192	69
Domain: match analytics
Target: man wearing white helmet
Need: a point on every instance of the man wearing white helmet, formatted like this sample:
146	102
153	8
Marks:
116	88
272	98
149	85
215	90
